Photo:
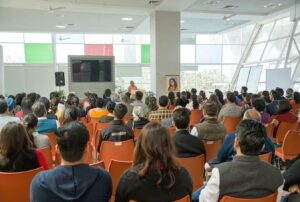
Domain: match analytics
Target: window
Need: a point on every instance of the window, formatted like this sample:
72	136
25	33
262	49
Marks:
127	53
98	39
37	38
274	49
13	53
69	38
64	50
282	28
231	53
38	53
265	32
126	39
256	52
233	37
188	54
11	37
209	54
209	39
98	50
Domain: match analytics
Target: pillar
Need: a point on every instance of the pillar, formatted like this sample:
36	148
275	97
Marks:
165	48
1	71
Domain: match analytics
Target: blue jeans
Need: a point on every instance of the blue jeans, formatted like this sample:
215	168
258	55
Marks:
196	194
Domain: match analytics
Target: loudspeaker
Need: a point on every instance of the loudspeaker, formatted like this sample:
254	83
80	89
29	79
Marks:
59	78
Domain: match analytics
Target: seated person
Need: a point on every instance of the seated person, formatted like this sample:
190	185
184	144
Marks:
272	108
138	102
139	120
26	106
110	116
17	153
39	141
5	116
246	176
44	125
292	181
230	108
186	145
168	122
260	106
162	112
117	131
227	151
98	112
156	174
46	102
211	129
284	112
71	114
74	180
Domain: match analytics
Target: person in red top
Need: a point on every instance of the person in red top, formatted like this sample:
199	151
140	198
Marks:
284	112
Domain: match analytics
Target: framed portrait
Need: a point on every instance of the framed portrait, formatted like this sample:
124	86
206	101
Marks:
172	83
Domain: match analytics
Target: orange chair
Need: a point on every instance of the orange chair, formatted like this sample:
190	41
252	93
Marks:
290	146
270	130
127	118
270	198
267	157
136	133
282	130
295	109
52	139
172	131
97	132
121	151
116	169
231	123
16	186
171	107
211	148
184	199
46	151
98	164
83	120
195	167
90	128
195	117
87	159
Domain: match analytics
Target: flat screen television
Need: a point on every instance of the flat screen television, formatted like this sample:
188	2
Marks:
91	69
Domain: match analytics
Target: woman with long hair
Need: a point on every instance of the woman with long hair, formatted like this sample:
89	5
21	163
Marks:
155	170
172	85
214	98
16	150
220	96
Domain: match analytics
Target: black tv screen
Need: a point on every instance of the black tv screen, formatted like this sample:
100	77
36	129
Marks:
91	70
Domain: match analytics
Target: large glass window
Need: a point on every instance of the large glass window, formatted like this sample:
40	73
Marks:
13	53
209	54
11	37
64	50
188	54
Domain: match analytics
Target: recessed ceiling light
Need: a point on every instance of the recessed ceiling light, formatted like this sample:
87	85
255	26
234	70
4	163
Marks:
182	21
60	26
127	19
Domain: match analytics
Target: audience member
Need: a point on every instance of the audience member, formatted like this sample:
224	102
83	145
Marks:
245	176
33	97
18	101
281	93
30	123
243	90
110	116
16	150
259	105
162	112
230	108
26	106
171	97
220	95
71	114
73	100
289	93
214	98
139	120
194	91
211	129
139	96
44	125
292	181
46	102
98	111
126	101
284	113
156	174
227	151
203	95
153	104
10	105
266	96
73	180
296	99
185	144
5	117
106	97
117	131
194	104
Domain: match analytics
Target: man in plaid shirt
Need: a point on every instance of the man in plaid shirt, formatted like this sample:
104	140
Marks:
162	112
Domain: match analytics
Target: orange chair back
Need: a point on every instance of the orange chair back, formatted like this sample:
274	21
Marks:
83	120
97	132
267	157
16	186
184	199
231	123
290	146
136	133
46	151
127	118
195	167
270	130
90	128
171	107
98	164
172	131
195	117
52	139
116	169
282	130
211	148
296	108
87	159
270	198
121	151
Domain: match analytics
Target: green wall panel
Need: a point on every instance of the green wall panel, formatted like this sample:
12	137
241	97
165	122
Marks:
38	53
145	54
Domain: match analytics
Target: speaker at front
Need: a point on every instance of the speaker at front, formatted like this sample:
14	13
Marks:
59	78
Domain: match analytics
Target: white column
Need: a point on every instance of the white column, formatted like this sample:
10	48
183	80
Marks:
165	48
2	89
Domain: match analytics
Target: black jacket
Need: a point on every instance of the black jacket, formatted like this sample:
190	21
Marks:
116	132
187	145
139	124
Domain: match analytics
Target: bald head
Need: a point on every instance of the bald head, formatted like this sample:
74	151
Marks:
252	114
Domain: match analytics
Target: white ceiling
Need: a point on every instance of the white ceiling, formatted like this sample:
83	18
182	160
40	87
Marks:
104	16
